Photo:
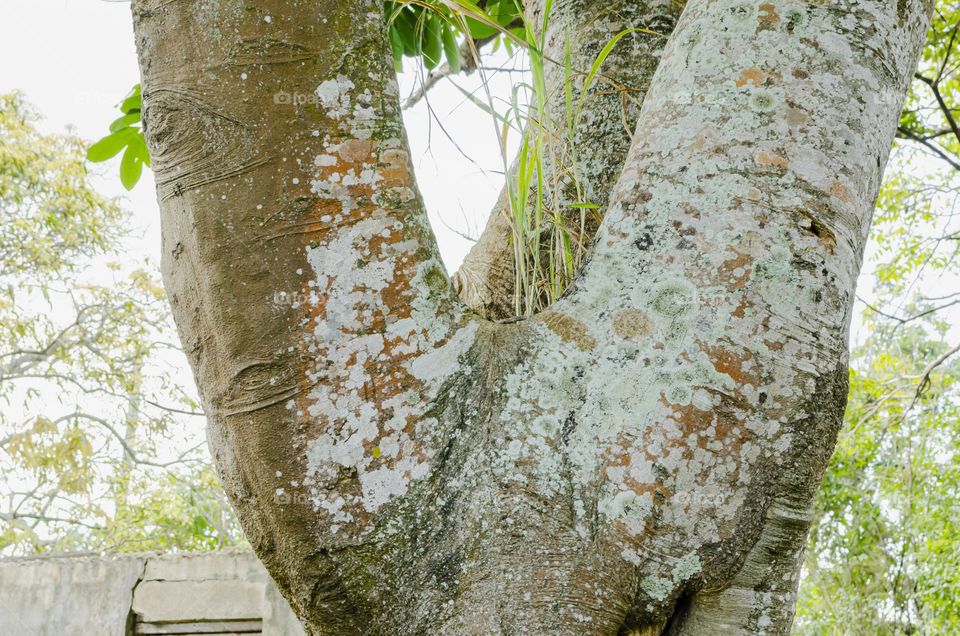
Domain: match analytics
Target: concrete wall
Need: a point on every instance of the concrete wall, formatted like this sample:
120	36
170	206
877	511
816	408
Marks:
65	595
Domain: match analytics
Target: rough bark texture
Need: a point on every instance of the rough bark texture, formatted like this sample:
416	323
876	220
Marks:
639	457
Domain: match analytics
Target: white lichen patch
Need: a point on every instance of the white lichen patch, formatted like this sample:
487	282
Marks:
334	96
687	567
352	277
374	317
659	588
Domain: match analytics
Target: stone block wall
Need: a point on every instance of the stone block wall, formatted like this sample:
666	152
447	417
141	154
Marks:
225	592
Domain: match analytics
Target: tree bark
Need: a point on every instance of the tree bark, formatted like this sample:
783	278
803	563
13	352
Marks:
642	455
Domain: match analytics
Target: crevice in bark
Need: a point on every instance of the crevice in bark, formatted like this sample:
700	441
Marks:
680	610
485	280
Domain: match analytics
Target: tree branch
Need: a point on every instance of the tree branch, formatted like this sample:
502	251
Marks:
925	142
485	281
925	376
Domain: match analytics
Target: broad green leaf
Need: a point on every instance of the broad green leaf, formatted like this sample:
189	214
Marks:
110	145
138	146
133	102
124	121
432	40
451	49
131	167
479	30
396	47
407	26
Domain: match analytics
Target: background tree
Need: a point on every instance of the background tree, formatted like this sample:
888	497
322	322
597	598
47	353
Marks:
88	401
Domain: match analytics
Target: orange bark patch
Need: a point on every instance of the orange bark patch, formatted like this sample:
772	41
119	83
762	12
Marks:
569	329
395	168
691	420
748	75
840	191
796	117
740	311
355	150
731	364
630	324
765	159
728	270
768	17
773	346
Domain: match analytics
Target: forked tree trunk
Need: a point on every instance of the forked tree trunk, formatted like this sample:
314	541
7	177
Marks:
642	455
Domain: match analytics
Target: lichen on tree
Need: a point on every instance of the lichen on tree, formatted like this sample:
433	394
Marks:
640	456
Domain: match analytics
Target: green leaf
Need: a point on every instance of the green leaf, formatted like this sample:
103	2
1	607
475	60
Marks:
110	145
396	47
133	102
504	12
451	49
431	40
124	133
138	145
124	121
598	62
407	22
479	30
131	167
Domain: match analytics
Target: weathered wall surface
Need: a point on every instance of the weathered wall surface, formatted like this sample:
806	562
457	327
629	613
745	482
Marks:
93	595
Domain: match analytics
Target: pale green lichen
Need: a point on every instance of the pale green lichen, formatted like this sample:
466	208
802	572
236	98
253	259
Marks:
657	587
673	299
687	567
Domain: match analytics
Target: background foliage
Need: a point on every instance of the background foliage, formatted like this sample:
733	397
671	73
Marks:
89	407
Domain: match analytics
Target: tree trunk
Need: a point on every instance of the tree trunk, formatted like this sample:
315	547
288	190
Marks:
642	455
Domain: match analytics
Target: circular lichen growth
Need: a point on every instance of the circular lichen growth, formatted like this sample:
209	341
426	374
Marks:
631	324
569	329
739	18
794	20
679	394
674	332
763	101
673	299
545	426
436	280
742	11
